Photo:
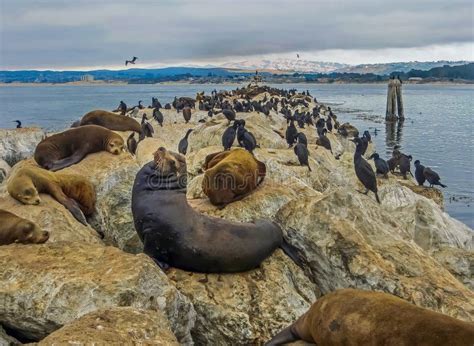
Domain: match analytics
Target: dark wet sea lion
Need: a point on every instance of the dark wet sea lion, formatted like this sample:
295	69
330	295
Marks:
174	234
73	191
356	317
110	121
14	229
71	146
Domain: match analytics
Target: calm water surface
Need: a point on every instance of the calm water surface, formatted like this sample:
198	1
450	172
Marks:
437	131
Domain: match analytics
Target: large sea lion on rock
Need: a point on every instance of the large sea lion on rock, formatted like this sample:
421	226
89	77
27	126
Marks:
76	193
174	234
356	317
110	121
231	175
71	146
14	229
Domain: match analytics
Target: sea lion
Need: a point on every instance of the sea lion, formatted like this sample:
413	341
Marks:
231	175
14	229
71	146
186	114
357	317
174	234
73	191
110	121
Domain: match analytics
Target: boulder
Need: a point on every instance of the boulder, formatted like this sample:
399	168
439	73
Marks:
4	170
45	287
7	340
113	177
117	326
246	308
19	144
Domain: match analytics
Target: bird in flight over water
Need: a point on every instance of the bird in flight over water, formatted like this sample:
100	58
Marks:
131	61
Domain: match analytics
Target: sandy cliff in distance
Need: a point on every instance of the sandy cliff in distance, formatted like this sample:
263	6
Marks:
406	246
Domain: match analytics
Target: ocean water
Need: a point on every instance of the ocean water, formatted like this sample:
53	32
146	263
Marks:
438	129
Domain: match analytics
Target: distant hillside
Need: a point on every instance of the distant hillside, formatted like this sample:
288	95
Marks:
445	72
385	69
294	65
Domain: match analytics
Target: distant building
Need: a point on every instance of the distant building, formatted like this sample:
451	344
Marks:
415	79
87	78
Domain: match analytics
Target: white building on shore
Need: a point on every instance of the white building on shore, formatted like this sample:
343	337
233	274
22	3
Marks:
87	78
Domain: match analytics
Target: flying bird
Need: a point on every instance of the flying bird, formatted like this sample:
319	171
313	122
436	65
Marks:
131	61
297	56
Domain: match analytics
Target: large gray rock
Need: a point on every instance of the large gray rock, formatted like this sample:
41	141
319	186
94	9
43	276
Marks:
19	144
44	287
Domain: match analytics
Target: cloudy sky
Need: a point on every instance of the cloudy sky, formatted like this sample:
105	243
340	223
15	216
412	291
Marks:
60	34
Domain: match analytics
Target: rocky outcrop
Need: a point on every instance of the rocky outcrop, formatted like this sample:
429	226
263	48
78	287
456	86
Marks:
19	144
44	287
113	178
246	308
4	170
7	340
117	326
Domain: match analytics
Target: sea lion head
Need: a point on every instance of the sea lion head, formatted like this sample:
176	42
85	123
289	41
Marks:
23	190
115	144
167	163
29	233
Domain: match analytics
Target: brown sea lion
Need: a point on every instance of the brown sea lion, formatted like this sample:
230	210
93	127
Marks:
356	317
71	146
76	193
231	175
111	121
14	229
174	234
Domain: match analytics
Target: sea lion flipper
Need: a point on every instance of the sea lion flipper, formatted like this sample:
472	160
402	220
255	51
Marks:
262	171
69	161
73	207
284	337
70	204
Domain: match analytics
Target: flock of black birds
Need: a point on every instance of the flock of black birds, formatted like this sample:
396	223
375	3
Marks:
284	103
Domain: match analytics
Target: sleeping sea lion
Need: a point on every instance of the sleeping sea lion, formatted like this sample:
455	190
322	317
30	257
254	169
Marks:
231	175
71	146
174	234
14	229
110	121
76	193
356	317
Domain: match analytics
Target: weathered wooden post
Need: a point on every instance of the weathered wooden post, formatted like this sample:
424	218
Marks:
398	88
394	101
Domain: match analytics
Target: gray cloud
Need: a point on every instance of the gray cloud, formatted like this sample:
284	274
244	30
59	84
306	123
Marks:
48	33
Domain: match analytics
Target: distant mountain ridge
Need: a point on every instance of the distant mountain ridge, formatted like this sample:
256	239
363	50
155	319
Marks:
299	65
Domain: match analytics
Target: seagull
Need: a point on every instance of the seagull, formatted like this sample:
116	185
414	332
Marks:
131	61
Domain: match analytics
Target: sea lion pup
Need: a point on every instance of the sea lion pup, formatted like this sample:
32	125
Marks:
174	234
14	229
357	317
71	146
110	121
73	191
231	175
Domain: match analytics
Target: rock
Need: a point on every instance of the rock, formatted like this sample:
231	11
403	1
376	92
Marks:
7	340
348	130
246	308
346	240
123	325
4	170
113	177
432	193
45	287
19	144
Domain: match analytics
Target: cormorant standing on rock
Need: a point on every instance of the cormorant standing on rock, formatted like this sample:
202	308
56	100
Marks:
158	116
404	164
381	166
246	139
367	135
291	133
329	124
320	126
122	108
419	176
183	143
364	171
167	106
302	153
147	129
18	124
324	141
432	177
228	137
229	114
301	137
132	143
186	114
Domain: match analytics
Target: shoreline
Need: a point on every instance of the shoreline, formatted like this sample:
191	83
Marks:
120	83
